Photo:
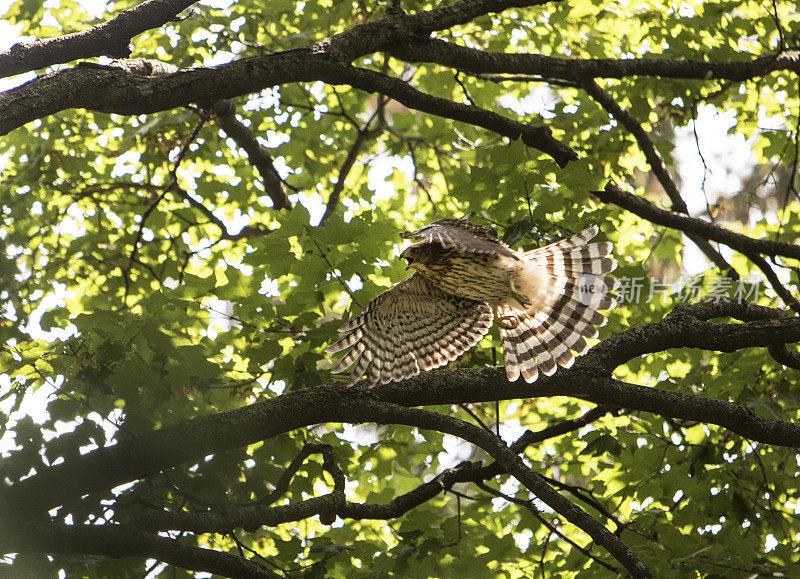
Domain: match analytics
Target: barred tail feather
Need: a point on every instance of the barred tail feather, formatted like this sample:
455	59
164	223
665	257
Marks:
360	367
510	354
561	288
348	359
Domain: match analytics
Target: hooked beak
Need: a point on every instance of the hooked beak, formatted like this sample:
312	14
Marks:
405	256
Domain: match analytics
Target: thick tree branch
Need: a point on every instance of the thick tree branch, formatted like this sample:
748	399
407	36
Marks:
783	355
258	514
691	225
399	28
250	518
111	38
122	541
107	39
580	70
383	412
464	11
588	379
538	137
116	89
515	466
122	88
689	327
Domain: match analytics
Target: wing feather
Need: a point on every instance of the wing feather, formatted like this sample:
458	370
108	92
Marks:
415	326
411	327
461	235
573	286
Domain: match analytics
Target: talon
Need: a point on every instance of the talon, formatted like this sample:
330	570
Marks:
508	322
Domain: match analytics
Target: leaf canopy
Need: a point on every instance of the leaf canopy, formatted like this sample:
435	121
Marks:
178	265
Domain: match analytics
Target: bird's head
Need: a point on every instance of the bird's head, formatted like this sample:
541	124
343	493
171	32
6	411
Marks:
419	255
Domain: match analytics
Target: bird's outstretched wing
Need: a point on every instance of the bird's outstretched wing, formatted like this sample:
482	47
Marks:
575	288
462	235
409	328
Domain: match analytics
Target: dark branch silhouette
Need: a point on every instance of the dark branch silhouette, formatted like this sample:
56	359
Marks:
588	379
225	114
657	166
646	210
122	541
110	38
579	70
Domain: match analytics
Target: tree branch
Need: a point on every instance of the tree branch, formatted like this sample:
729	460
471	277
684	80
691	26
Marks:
515	466
477	61
107	39
773	279
328	464
658	168
537	137
553	529
248	231
250	518
382	413
589	379
122	541
399	28
258	513
363	135
225	114
783	355
689	327
691	225
122	88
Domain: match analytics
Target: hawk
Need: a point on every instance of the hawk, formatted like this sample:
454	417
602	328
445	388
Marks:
546	302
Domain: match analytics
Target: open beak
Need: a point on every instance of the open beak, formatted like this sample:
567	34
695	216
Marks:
404	255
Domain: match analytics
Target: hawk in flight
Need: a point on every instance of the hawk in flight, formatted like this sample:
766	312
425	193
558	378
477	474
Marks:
546	302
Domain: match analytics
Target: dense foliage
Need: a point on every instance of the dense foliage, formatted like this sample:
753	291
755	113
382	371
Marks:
184	229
